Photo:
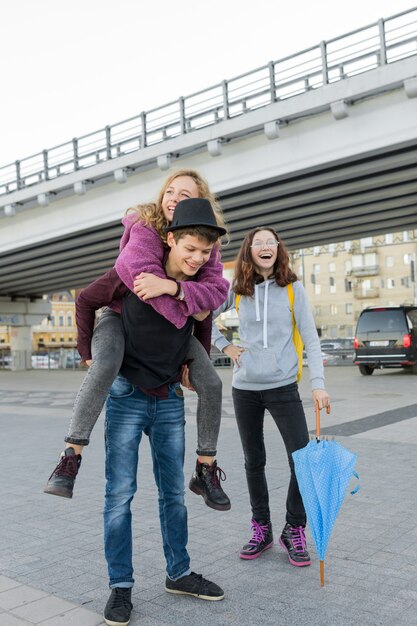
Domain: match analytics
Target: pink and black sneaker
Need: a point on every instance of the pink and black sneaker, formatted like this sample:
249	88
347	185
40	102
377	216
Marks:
261	540
293	541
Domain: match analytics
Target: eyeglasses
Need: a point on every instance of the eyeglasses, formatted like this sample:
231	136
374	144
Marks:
259	245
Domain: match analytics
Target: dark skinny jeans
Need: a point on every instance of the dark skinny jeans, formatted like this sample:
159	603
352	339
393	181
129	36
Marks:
108	350
287	411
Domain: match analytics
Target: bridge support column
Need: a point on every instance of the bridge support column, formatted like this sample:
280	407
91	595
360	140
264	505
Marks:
21	348
21	314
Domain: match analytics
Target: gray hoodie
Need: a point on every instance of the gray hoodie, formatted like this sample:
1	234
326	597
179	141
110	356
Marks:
265	328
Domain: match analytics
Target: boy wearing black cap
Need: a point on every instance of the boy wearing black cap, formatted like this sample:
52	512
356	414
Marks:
143	252
146	398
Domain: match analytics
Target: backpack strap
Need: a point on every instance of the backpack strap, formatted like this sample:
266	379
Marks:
296	337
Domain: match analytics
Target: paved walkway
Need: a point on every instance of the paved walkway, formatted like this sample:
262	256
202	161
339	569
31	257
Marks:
52	570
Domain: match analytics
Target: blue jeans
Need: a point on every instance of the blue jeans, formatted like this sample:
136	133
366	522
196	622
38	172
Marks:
129	413
108	347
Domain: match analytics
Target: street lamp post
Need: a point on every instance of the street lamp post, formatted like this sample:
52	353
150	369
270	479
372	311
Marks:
302	266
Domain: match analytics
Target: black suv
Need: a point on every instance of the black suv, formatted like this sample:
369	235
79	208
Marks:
386	337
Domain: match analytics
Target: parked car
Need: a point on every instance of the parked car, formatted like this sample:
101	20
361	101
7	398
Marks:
328	359
386	337
346	342
44	361
341	348
5	361
330	345
72	360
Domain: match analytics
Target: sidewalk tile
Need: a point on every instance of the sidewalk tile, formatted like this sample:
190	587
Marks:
76	617
42	609
6	619
7	583
19	596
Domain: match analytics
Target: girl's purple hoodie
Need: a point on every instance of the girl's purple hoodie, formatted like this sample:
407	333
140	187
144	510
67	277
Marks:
142	250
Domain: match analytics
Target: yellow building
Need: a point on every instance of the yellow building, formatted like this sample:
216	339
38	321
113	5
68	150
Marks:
59	330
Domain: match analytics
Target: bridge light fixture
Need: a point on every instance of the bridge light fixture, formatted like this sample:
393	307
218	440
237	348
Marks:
214	147
164	162
410	86
120	176
339	109
43	199
80	188
271	130
10	210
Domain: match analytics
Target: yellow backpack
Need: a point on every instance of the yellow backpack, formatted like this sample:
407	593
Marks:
296	337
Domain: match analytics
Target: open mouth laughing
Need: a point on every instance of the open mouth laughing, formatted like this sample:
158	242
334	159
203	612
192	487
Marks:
265	256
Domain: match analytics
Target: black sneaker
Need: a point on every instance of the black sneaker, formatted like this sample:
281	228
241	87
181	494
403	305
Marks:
205	482
119	607
261	540
61	481
293	541
195	585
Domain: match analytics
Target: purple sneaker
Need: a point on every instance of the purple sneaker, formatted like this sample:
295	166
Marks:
261	540
293	541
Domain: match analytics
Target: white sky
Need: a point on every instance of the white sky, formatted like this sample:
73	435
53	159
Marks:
69	67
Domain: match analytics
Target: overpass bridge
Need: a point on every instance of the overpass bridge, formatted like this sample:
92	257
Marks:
321	145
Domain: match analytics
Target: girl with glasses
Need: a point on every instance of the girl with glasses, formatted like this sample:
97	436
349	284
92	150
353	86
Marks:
265	374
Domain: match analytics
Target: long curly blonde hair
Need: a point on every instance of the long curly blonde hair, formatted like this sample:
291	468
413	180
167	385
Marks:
151	212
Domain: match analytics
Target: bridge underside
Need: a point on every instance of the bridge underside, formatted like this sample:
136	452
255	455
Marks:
357	198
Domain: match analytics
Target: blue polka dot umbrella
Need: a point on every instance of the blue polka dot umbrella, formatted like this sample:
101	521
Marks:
323	469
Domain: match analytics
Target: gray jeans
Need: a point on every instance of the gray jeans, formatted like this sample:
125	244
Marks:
107	349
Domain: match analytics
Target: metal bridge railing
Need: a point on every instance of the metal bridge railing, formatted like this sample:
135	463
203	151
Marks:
356	52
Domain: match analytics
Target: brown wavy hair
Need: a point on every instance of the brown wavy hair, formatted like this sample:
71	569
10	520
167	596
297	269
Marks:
246	275
151	212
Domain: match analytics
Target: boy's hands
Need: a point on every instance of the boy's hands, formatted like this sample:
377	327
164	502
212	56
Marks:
148	286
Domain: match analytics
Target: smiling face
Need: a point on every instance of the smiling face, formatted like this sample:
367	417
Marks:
180	188
187	255
264	251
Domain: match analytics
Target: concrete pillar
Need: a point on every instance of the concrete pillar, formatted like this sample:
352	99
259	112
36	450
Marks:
21	314
21	347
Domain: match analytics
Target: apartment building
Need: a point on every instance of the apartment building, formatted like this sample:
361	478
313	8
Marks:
343	278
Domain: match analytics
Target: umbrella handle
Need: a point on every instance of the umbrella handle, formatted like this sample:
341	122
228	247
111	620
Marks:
322	573
318	417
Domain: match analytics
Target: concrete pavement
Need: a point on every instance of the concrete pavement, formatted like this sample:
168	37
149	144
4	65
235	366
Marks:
52	569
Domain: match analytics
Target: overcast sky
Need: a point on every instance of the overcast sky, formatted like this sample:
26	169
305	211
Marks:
70	67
